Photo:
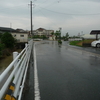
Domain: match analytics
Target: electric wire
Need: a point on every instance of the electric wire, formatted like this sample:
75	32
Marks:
70	13
44	14
56	12
45	8
14	7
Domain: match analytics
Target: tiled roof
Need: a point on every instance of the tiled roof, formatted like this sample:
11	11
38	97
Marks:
40	29
6	29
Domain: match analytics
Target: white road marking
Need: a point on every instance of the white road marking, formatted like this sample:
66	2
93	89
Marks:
36	83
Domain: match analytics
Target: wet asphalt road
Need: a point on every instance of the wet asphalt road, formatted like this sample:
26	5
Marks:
67	73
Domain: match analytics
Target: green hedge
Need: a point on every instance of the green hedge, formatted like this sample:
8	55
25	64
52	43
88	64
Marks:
74	42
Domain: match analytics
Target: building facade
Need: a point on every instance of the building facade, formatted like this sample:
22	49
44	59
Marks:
20	36
42	31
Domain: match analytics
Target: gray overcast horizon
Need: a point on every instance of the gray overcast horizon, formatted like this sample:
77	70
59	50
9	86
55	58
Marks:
73	16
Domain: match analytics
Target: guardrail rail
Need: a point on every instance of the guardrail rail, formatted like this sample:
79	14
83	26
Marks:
12	88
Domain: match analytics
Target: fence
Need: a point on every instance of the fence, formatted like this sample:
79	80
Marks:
12	88
75	39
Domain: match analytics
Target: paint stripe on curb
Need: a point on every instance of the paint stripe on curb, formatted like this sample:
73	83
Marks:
10	92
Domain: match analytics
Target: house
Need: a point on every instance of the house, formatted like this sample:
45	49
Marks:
52	37
20	30
42	31
21	37
19	34
6	29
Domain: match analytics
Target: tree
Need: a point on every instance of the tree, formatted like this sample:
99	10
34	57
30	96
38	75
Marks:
52	35
0	35
67	36
57	34
8	40
2	46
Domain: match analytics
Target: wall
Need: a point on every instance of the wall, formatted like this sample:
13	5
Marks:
20	37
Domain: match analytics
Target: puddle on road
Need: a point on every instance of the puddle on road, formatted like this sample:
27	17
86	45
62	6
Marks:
94	61
45	43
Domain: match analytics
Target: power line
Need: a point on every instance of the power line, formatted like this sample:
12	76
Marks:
14	7
50	4
44	14
53	3
70	13
56	1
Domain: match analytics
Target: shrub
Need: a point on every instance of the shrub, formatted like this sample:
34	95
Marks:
59	41
2	46
8	40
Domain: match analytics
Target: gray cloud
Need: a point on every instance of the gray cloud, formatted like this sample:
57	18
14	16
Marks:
73	16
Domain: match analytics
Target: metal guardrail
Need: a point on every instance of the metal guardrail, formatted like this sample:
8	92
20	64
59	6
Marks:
14	84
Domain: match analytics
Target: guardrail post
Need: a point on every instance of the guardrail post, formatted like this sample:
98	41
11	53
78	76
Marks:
15	54
26	46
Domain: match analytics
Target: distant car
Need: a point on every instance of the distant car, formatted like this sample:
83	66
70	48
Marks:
96	44
37	39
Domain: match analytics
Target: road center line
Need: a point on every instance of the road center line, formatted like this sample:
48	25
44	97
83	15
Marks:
36	83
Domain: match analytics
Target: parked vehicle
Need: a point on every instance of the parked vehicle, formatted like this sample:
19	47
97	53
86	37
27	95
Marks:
96	44
37	39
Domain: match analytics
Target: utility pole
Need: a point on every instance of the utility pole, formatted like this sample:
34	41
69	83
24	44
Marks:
31	16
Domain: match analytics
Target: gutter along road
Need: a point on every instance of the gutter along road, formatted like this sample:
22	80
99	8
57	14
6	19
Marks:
67	73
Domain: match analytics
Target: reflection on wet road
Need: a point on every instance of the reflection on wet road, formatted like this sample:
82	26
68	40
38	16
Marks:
67	73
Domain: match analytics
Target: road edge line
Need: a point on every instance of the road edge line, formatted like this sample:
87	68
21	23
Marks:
36	82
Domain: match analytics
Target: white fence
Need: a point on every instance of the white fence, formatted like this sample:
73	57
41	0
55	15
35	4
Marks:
18	70
75	39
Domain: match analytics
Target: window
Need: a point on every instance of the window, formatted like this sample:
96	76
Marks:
14	35
21	35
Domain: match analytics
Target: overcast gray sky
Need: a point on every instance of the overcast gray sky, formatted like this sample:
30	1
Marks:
73	16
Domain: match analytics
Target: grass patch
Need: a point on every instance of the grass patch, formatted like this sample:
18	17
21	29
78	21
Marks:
75	43
80	43
88	41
